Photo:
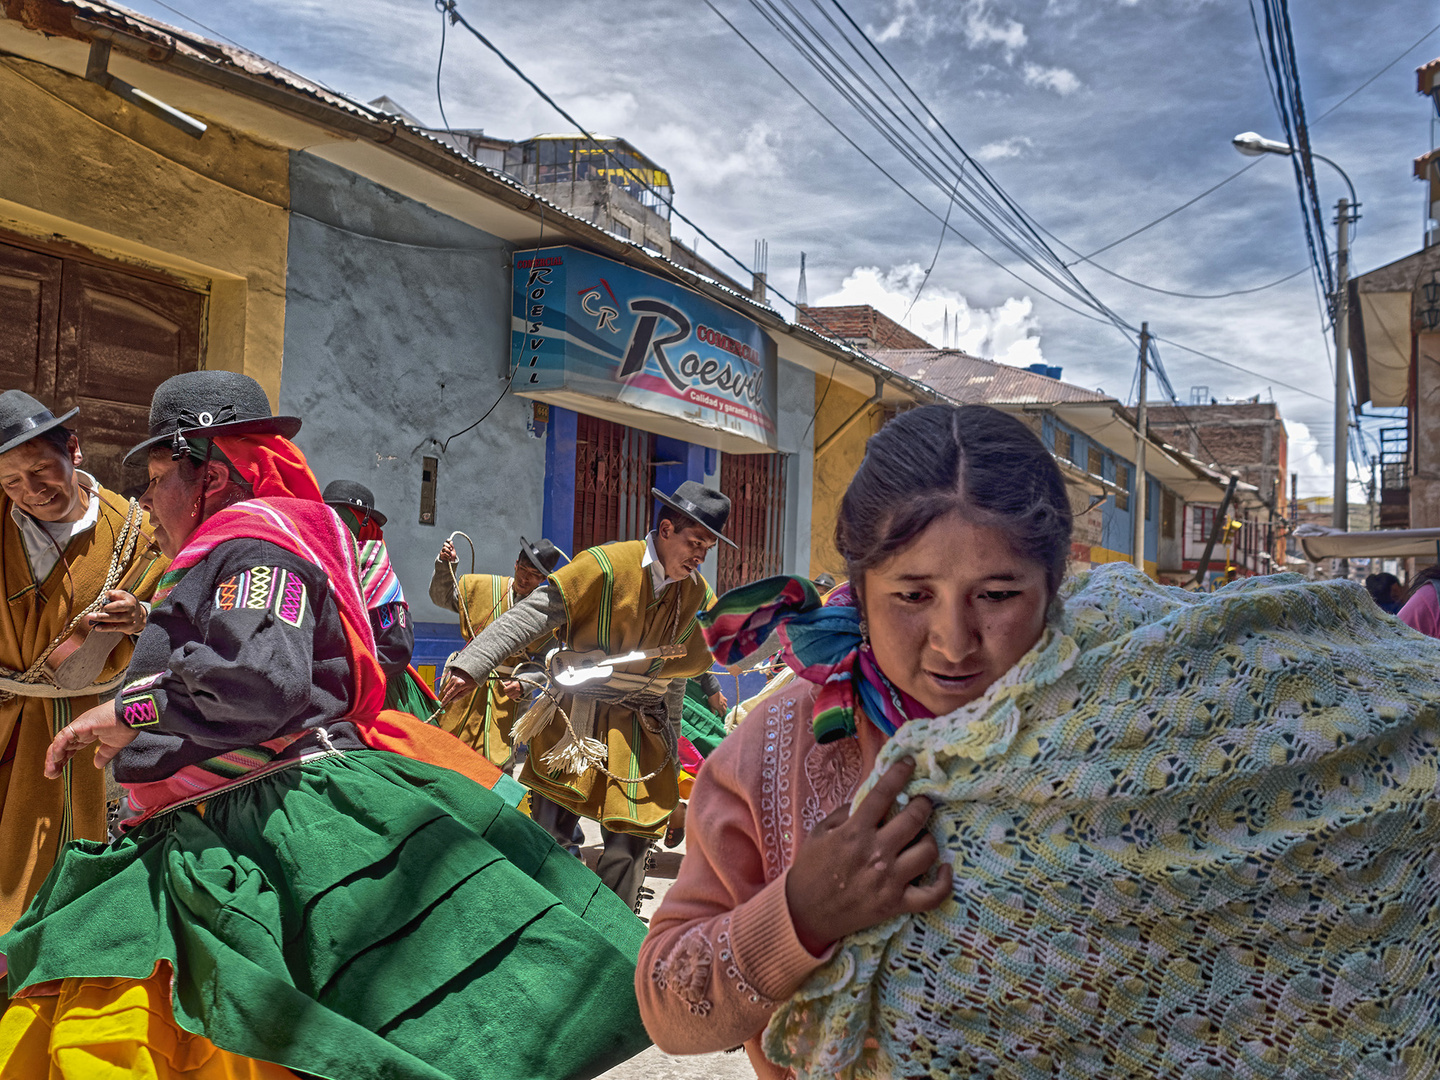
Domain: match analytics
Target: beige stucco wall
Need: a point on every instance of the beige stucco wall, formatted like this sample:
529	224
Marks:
835	467
79	164
1425	477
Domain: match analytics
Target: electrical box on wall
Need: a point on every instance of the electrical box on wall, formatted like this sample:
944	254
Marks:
429	471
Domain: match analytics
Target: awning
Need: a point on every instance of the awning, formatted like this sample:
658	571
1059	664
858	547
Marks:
1385	321
1321	542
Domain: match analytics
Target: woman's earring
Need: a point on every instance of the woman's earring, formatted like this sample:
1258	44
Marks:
195	513
864	632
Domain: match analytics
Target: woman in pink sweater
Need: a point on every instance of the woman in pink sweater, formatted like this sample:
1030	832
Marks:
955	532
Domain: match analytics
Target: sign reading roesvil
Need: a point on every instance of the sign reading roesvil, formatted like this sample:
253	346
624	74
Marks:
595	327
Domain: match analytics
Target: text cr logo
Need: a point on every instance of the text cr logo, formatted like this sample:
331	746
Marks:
605	315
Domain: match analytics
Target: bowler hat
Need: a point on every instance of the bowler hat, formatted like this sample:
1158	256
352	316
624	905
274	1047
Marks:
209	403
22	418
702	504
349	493
543	555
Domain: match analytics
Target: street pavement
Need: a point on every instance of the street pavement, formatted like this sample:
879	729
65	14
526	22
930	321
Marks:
652	1064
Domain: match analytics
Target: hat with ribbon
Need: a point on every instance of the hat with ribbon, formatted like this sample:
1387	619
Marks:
22	418
543	555
354	495
203	404
700	503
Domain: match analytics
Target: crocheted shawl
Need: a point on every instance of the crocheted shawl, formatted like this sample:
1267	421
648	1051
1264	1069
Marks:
1194	836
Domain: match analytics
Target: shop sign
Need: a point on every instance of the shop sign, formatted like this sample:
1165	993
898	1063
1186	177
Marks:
586	325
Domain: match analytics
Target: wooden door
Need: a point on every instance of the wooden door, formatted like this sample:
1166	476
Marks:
120	337
29	318
75	331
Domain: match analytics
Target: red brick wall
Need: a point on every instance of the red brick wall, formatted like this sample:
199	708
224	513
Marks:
861	325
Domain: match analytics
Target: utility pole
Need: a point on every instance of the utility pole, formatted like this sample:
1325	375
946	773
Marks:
1341	519
1141	485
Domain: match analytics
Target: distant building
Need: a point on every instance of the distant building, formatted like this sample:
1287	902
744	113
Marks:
1092	436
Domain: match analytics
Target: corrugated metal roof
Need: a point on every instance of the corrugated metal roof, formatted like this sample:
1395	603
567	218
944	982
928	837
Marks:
973	381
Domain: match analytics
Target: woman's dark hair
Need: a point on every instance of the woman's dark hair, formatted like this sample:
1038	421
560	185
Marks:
1380	586
937	459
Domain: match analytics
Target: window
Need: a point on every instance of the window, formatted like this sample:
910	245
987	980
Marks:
1064	445
1122	481
1167	514
1203	520
1097	462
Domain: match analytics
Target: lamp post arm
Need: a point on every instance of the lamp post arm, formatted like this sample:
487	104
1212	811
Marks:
1353	201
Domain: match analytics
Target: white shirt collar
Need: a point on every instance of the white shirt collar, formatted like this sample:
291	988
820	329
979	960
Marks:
658	577
46	540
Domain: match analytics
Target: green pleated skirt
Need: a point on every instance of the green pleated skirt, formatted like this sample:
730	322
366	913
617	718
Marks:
357	916
404	694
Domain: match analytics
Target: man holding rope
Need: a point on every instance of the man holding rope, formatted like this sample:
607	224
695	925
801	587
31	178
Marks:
607	749
483	718
66	545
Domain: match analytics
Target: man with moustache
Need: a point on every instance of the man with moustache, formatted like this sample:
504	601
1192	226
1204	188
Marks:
614	599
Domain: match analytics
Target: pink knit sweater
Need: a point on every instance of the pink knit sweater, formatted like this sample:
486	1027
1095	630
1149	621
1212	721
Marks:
722	953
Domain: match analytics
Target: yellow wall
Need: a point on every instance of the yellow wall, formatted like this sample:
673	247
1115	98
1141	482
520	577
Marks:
835	467
82	165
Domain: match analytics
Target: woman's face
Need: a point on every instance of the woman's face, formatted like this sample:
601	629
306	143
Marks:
953	611
172	501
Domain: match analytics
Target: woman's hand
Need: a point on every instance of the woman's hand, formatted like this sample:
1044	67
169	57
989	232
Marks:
102	725
122	613
852	872
456	683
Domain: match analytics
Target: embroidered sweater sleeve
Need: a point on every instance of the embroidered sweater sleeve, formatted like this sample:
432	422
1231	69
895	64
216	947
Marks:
234	645
527	622
394	636
721	953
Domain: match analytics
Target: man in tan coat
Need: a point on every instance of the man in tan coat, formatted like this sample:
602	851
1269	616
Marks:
63	540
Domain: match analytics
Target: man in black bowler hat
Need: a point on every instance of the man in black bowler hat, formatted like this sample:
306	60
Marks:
60	534
483	718
607	750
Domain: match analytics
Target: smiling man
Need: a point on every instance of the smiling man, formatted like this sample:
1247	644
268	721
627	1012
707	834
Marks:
614	599
58	531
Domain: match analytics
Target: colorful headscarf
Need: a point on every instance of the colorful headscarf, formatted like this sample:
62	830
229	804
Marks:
274	467
821	643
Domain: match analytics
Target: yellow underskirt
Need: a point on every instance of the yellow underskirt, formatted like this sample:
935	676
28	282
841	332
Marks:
114	1029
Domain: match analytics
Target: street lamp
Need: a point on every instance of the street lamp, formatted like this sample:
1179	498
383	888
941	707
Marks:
1252	144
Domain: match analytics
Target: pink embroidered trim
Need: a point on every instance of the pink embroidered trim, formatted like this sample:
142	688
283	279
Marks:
141	712
732	970
833	772
776	818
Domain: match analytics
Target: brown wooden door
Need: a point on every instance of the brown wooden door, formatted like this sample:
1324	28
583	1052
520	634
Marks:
74	332
614	471
755	484
29	317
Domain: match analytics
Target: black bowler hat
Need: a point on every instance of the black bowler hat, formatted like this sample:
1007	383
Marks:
702	504
204	404
358	496
22	418
544	555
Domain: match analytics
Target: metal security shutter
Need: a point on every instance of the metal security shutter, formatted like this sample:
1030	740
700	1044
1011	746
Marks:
614	468
755	484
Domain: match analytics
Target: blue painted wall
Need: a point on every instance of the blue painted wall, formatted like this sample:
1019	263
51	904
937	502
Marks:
397	336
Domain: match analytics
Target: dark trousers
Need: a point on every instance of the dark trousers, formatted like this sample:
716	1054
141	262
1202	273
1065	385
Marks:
622	860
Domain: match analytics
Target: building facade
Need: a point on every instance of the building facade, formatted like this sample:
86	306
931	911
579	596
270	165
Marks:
376	281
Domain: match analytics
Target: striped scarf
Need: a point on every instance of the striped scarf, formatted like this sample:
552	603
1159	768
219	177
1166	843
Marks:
378	582
822	643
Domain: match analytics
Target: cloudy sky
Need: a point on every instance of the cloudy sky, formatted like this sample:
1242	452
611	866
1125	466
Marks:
1096	116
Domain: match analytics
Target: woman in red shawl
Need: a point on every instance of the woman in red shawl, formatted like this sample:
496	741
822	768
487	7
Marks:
303	880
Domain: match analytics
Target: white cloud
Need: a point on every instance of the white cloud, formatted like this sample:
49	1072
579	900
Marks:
708	161
1062	80
1005	148
1008	333
1316	477
981	28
